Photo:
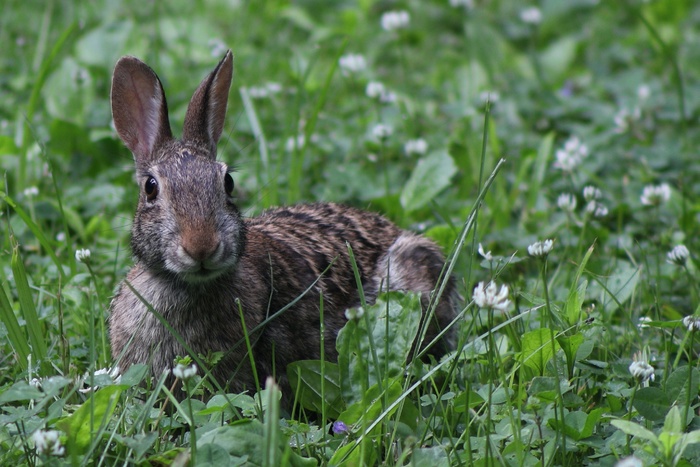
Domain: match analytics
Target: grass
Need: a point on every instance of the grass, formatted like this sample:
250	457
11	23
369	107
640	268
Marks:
499	102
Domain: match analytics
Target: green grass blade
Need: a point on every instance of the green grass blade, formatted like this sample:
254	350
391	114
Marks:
27	307
270	193
17	338
298	156
271	452
43	241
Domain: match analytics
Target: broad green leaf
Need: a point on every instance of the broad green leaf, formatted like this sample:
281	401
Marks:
557	58
461	404
434	457
245	441
374	347
90	418
575	423
572	308
373	402
140	442
579	424
570	346
619	285
537	349
591	421
212	455
134	375
20	391
651	403
315	389
672	423
545	387
633	429
431	175
101	46
676	386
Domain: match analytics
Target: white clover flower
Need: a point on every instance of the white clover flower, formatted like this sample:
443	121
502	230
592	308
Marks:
258	92
678	255
354	313
113	373
387	97
487	256
468	4
488	296
393	20
655	195
273	87
601	210
416	146
539	249
591	193
217	47
621	121
566	202
266	90
82	255
531	15
352	63
293	143
374	89
489	96
571	155
47	442
692	323
31	191
642	371
643	322
643	92
184	372
597	209
623	118
631	461
382	131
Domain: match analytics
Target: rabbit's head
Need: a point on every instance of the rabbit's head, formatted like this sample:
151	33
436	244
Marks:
186	223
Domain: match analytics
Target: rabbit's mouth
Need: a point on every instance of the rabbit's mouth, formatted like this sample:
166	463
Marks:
202	274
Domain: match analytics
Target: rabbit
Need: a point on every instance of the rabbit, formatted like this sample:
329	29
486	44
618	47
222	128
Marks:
200	264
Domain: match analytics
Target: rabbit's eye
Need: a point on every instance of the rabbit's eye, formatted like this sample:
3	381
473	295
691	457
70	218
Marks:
151	188
228	184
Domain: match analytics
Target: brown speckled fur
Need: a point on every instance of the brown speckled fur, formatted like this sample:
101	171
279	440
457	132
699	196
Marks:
197	257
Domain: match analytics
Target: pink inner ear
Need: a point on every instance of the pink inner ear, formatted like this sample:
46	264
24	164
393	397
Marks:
138	107
146	108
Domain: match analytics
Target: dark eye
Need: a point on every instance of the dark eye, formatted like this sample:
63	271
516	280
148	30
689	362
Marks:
228	184
151	188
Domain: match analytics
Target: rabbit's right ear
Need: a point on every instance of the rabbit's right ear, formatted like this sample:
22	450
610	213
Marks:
139	109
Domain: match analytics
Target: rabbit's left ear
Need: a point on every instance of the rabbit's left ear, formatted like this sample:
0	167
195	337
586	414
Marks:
206	112
139	109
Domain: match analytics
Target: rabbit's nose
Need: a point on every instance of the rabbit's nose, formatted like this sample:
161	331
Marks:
200	244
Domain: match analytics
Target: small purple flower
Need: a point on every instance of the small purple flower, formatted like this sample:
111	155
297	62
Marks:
340	428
